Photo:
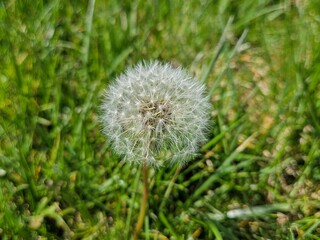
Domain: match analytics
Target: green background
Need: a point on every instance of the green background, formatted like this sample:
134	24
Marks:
258	175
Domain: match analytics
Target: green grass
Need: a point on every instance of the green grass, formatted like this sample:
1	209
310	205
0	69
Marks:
257	176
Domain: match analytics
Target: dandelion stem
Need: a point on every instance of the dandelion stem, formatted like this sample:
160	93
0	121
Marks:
144	201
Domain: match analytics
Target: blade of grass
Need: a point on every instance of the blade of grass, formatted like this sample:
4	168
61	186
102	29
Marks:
218	50
165	221
215	231
169	188
250	212
233	53
221	135
133	199
88	33
224	167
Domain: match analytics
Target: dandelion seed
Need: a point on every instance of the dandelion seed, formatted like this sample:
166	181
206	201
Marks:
155	113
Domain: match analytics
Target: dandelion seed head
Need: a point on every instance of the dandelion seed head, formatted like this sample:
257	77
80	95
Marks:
155	113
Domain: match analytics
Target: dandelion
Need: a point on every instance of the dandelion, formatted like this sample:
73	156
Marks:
152	114
155	113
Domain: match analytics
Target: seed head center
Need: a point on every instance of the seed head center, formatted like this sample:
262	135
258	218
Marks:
155	113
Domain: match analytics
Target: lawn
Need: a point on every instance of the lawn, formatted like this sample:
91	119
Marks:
256	177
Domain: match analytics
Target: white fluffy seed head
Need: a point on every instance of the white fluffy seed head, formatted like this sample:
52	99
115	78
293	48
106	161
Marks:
155	113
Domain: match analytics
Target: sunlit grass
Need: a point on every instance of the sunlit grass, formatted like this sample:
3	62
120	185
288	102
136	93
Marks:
256	177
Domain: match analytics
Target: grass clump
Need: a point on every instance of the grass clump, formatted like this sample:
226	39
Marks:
256	177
